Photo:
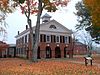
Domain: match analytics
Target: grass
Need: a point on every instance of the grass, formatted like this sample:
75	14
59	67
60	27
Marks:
16	66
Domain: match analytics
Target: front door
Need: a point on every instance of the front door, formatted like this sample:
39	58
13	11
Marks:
38	53
65	52
48	52
57	52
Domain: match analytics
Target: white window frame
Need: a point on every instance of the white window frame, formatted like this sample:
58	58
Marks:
66	40
56	39
49	38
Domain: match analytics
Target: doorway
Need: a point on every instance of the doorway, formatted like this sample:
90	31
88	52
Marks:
57	52
48	52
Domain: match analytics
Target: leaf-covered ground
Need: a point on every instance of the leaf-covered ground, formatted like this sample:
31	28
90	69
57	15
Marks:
15	66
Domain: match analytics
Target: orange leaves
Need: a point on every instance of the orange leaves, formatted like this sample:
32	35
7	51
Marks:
94	8
32	7
4	3
50	67
6	6
50	5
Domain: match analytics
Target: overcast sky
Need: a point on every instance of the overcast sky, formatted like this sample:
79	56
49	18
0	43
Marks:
17	21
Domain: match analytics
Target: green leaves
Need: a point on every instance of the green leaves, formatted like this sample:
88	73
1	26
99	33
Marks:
51	8
84	18
21	1
88	21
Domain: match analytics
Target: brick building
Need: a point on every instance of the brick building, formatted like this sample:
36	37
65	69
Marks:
3	48
55	40
80	48
11	50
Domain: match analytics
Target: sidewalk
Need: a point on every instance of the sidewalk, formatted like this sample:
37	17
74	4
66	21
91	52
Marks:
73	61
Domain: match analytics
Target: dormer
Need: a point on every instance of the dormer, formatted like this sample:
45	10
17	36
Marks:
46	18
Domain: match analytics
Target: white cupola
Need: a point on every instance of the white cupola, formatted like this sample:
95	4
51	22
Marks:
46	18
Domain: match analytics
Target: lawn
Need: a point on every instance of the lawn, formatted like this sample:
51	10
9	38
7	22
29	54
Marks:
15	66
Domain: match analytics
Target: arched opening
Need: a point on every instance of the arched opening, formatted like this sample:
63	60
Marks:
57	52
65	52
38	53
27	52
48	52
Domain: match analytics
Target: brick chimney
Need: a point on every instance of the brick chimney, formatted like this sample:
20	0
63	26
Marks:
26	27
18	32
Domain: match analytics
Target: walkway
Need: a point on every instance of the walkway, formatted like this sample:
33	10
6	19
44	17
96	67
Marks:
79	62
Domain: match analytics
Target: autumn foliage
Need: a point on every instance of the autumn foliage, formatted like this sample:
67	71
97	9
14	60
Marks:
49	5
4	6
94	8
3	3
14	66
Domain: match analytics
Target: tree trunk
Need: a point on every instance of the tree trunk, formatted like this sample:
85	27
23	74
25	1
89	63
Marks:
33	42
30	38
37	32
31	31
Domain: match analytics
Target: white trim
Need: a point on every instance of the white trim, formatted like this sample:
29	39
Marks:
49	39
66	39
58	40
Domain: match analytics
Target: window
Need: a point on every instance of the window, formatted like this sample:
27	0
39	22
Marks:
69	39
22	40
48	38
61	39
52	27
54	38
57	39
17	42
25	38
66	39
44	38
21	50
40	37
51	38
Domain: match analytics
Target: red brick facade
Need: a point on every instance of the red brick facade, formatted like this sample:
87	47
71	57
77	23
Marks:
55	40
79	48
47	50
3	48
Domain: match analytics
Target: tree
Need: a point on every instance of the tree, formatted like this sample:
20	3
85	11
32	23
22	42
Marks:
94	9
85	20
29	7
5	8
85	37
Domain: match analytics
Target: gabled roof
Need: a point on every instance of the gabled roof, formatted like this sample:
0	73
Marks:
46	27
79	43
46	15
